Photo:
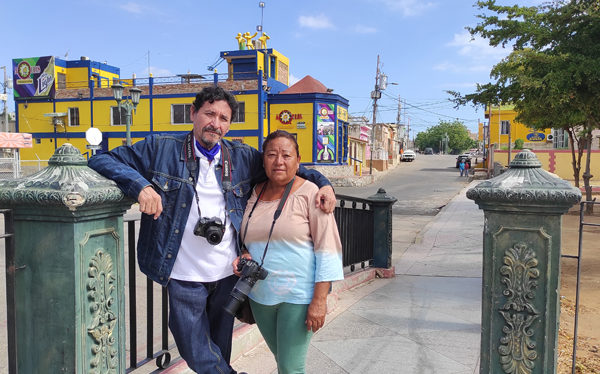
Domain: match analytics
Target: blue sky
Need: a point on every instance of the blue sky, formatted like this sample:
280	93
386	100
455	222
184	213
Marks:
422	44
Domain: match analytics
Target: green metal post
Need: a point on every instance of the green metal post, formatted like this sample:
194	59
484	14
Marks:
382	228
523	209
70	276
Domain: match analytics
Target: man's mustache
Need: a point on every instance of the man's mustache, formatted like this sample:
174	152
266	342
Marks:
212	129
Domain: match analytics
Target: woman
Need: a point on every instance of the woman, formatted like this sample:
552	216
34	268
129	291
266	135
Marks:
303	255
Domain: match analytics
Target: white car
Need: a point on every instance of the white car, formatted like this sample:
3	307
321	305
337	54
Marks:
408	155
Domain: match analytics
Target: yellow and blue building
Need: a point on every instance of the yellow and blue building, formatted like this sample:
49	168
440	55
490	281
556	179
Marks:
57	101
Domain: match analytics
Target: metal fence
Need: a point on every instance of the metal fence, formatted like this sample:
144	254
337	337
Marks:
582	224
147	302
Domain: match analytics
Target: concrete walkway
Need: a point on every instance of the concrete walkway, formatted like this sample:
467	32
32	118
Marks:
425	320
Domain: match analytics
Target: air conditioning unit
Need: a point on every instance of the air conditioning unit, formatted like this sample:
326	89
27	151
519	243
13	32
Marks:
58	119
550	138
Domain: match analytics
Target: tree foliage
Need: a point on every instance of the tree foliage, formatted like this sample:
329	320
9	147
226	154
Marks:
458	137
552	76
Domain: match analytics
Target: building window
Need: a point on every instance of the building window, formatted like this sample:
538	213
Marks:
560	138
73	116
240	115
180	114
115	118
504	127
61	81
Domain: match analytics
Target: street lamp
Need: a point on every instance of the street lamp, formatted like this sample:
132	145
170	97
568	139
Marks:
127	105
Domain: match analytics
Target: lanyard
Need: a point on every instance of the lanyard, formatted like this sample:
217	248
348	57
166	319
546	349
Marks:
192	166
276	215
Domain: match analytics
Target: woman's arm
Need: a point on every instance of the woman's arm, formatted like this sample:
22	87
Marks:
315	316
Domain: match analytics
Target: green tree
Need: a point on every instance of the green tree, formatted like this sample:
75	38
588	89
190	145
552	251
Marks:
455	134
552	75
519	144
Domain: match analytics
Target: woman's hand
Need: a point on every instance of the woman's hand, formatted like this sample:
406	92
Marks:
326	199
237	261
315	316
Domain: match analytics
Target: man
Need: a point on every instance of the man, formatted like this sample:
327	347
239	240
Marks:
192	190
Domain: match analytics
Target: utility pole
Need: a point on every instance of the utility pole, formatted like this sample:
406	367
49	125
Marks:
376	94
5	99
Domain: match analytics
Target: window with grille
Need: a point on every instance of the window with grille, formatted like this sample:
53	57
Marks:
180	114
504	127
240	115
61	81
73	116
116	118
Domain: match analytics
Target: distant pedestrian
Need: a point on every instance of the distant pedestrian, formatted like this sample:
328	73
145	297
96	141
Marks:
467	167
461	167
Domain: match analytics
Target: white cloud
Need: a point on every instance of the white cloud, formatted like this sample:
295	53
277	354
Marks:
131	7
461	68
478	48
320	21
361	29
156	72
409	8
293	79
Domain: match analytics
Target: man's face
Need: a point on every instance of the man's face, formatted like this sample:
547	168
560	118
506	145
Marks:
211	122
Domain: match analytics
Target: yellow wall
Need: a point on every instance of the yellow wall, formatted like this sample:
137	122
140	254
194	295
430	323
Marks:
77	77
305	135
84	114
558	162
281	59
518	130
108	77
162	114
260	62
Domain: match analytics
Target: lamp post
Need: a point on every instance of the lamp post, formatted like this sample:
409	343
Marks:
128	105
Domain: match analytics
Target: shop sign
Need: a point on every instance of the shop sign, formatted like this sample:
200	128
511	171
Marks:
286	117
536	136
33	77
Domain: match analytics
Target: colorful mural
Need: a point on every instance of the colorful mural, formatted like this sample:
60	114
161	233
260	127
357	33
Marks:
33	77
325	133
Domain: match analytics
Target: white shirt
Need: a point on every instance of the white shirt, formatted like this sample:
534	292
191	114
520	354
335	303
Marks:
197	260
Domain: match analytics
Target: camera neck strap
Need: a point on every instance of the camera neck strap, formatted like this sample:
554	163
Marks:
192	165
286	192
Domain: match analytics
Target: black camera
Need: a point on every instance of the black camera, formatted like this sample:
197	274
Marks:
210	228
251	272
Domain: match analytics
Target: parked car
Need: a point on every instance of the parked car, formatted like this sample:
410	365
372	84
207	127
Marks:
428	151
408	155
464	156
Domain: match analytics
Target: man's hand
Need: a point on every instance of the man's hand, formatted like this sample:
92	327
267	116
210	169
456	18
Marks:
150	202
326	199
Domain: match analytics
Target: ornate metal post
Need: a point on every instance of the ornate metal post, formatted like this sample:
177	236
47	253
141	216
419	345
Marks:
69	277
382	228
523	209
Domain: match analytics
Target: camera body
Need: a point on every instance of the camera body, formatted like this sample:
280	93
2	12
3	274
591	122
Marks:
251	272
210	228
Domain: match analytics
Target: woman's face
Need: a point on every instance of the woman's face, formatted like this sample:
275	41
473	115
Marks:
281	160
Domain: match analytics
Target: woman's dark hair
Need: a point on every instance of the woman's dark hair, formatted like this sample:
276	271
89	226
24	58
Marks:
281	134
212	94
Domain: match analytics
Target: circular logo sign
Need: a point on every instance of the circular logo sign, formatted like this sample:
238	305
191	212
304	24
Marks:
285	117
24	70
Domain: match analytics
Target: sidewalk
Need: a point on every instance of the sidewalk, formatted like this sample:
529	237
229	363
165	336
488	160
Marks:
425	320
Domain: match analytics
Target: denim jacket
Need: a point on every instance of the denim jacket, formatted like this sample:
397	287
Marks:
159	160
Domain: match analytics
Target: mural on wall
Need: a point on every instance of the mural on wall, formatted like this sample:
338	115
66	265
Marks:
325	133
33	77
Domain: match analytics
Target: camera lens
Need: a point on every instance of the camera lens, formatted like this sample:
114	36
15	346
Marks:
214	235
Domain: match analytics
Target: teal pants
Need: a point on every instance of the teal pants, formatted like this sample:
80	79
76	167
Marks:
283	328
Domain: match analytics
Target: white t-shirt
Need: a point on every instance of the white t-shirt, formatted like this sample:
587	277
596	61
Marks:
198	260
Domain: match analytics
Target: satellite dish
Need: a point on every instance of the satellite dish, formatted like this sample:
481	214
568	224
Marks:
93	136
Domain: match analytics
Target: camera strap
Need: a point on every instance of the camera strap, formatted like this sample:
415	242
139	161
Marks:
276	215
192	165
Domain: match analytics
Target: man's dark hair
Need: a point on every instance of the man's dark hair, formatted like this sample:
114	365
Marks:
281	134
212	94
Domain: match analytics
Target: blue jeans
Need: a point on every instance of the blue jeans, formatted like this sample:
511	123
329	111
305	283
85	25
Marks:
201	328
